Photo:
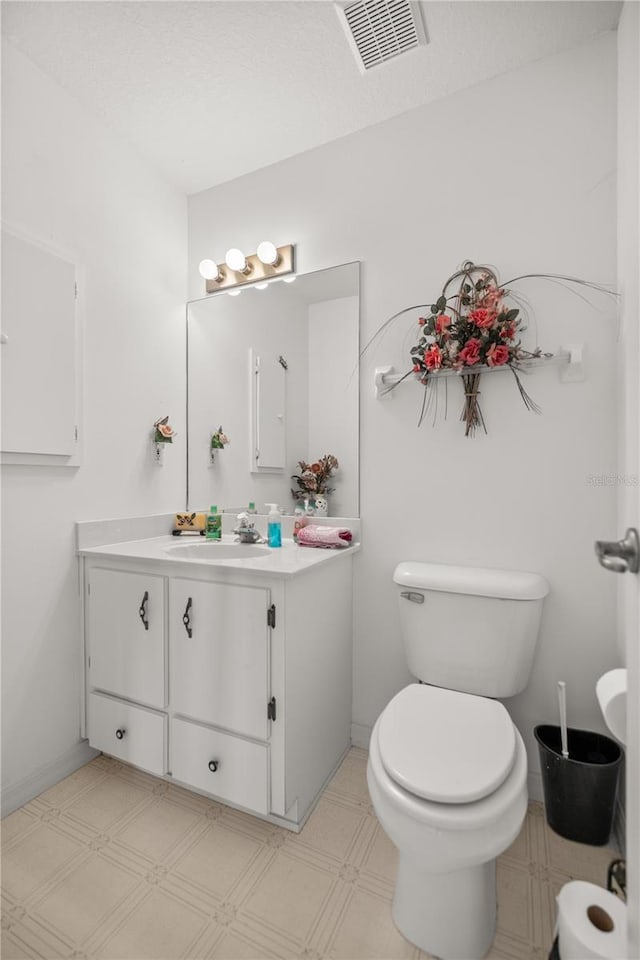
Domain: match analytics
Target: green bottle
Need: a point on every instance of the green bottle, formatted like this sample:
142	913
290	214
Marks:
214	525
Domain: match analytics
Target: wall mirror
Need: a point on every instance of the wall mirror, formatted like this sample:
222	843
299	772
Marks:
277	370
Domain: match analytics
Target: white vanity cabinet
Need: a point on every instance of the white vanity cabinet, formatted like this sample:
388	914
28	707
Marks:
231	682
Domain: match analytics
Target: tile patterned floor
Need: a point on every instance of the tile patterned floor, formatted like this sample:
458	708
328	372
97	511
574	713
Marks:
112	863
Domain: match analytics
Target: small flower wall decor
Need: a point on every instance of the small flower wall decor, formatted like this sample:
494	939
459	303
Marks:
163	432
219	440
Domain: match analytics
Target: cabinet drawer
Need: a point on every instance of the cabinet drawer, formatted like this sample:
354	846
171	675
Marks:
129	733
241	776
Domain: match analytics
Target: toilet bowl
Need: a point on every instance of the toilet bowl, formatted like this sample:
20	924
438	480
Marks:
444	900
447	768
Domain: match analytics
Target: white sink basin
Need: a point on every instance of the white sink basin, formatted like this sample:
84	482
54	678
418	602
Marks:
211	551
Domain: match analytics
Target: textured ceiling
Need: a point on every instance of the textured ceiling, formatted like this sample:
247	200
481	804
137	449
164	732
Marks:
213	89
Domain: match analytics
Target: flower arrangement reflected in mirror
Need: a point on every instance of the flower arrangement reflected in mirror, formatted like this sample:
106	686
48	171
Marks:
313	479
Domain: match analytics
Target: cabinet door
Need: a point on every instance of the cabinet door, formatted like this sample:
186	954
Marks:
219	649
126	635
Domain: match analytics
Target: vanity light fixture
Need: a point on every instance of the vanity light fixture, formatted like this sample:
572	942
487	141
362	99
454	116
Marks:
236	261
268	264
268	253
210	270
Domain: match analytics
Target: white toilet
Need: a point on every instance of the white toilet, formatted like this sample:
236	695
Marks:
447	769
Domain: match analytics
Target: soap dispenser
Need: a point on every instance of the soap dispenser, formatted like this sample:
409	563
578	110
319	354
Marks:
213	529
274	526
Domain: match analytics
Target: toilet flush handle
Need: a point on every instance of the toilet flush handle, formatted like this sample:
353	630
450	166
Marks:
414	597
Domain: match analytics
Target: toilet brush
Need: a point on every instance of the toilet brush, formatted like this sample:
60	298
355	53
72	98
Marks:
562	700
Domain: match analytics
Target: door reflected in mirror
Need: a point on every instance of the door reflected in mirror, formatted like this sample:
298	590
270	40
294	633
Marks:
276	370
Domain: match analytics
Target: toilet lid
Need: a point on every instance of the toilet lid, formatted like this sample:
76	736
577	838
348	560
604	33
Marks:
446	746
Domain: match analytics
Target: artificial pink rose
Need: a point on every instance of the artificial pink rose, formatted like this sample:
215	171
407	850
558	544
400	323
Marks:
508	332
491	297
483	318
470	353
433	358
497	355
442	322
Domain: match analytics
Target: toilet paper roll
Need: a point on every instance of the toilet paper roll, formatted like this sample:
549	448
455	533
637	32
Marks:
592	923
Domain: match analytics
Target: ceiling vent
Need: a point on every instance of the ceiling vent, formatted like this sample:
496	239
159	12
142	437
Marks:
379	30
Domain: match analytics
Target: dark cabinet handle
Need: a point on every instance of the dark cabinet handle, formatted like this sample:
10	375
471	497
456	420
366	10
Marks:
213	765
142	612
120	734
186	619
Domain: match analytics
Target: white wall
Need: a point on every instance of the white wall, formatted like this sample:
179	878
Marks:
629	357
519	172
69	182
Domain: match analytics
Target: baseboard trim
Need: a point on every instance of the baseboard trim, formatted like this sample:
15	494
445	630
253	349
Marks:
17	794
360	735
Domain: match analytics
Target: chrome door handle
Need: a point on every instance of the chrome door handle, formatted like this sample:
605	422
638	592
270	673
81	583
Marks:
620	555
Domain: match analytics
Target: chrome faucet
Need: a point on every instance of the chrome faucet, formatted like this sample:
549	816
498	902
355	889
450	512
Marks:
246	532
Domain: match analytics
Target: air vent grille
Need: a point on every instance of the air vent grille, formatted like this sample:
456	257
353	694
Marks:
382	29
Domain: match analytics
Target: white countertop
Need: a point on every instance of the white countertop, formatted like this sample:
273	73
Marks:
285	561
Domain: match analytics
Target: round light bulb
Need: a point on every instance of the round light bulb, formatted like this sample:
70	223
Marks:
261	286
290	279
267	253
234	293
208	269
236	260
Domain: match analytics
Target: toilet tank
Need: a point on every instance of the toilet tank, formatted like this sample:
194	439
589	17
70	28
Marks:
471	629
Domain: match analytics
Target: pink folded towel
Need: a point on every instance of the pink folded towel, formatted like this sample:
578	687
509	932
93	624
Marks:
314	535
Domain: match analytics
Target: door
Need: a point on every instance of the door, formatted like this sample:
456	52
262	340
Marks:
629	457
629	491
126	635
219	654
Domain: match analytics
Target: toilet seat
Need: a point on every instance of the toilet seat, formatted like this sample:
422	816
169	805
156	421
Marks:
446	746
